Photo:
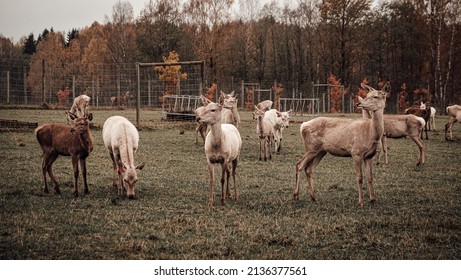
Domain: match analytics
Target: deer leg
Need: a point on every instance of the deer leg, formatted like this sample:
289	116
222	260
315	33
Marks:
228	174
211	196
448	128
276	142
309	170
260	149
234	166
425	129
224	173
371	190
48	165
44	170
75	166
264	141
280	141
384	148
305	164
359	175
120	171
115	172
420	143
269	144
85	183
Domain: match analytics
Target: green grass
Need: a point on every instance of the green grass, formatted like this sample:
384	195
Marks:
417	216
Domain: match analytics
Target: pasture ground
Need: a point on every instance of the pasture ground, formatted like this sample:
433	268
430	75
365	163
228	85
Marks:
417	216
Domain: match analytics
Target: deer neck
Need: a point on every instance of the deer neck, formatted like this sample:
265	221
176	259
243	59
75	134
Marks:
377	124
86	140
216	133
260	125
126	151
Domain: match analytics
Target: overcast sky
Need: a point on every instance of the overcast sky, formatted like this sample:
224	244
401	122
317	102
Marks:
21	17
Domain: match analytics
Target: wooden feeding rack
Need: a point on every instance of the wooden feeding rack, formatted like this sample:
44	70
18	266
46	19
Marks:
180	107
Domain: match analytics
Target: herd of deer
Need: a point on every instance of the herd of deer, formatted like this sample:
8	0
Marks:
218	123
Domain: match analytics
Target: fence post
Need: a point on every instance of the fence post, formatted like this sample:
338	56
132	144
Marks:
92	92
138	94
73	86
25	85
7	87
118	85
43	82
149	90
243	94
343	109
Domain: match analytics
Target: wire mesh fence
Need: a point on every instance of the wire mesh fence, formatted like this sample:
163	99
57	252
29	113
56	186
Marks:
173	88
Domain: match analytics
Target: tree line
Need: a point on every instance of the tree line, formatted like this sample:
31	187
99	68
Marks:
414	44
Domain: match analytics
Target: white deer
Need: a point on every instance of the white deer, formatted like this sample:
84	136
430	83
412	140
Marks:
358	138
222	145
121	139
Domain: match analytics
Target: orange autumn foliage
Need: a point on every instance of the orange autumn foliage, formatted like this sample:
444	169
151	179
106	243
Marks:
278	89
170	75
211	92
249	93
421	95
335	93
62	97
403	103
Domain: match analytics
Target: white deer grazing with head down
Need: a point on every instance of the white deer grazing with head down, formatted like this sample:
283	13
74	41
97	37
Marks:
121	139
358	138
222	145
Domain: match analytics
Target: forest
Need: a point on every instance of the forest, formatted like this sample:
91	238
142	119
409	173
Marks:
414	44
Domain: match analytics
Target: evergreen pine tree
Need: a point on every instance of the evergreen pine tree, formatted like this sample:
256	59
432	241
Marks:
30	46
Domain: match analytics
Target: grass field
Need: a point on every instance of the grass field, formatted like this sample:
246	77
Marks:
417	216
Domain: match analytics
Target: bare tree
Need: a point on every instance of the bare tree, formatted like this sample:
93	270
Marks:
208	16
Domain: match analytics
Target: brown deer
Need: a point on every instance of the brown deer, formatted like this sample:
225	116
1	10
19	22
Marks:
75	141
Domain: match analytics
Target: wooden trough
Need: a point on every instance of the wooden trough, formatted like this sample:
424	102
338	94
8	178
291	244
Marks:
180	107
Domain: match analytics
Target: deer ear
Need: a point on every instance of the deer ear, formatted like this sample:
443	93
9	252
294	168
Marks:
90	116
366	87
205	100
70	116
387	87
140	166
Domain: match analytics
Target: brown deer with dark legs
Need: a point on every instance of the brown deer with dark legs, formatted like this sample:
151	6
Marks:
75	141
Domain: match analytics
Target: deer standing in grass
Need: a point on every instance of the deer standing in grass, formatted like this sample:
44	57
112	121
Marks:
265	132
358	138
75	141
222	145
454	115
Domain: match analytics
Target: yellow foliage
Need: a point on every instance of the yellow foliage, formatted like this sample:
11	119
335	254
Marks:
170	75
